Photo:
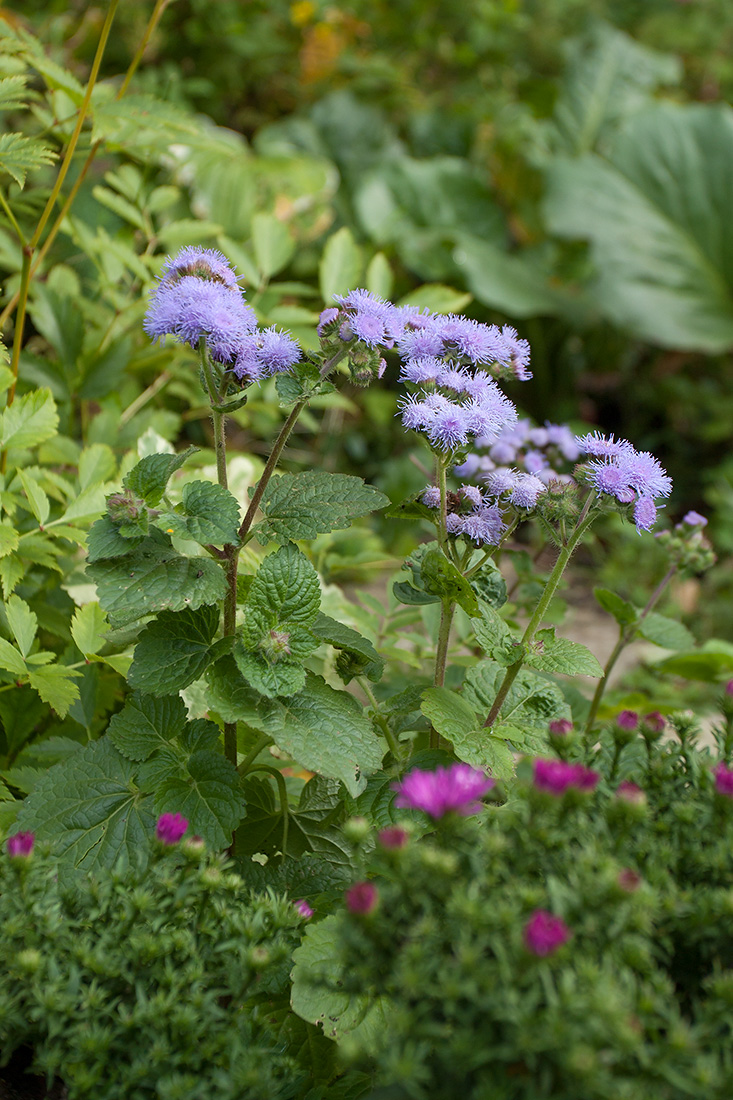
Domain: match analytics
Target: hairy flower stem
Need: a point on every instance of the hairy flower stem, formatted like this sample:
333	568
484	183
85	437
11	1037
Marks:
545	599
278	448
389	737
626	635
282	795
447	610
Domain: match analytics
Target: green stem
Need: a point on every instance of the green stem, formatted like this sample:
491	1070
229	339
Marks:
389	737
11	218
447	610
441	477
283	795
549	590
626	635
158	10
253	753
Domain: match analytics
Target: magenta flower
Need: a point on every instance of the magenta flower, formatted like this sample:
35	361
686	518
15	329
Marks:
627	720
20	845
455	789
629	792
303	908
362	897
628	880
393	837
723	780
729	688
561	726
544	933
170	828
556	776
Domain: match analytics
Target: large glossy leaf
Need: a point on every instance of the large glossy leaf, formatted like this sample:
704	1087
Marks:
657	213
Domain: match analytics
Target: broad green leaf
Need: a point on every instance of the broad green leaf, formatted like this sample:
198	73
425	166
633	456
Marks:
623	612
312	825
11	659
441	578
325	730
146	724
174	650
515	282
20	155
491	631
668	633
316	975
284	676
89	628
285	589
341	264
531	704
561	656
209	796
97	464
208	514
148	479
408	594
8	538
454	718
31	419
437	298
487	750
155	578
711	664
39	503
272	242
89	503
23	623
90	809
379	279
55	684
301	506
358	656
105	541
661	240
448	712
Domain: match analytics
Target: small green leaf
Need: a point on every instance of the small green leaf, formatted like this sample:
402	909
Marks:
209	514
379	279
285	589
448	712
8	538
55	684
20	155
358	655
146	724
209	796
301	506
340	266
174	650
89	628
491	631
559	655
11	659
39	503
23	623
148	479
665	632
441	578
437	298
413	597
623	612
31	419
105	541
97	464
273	245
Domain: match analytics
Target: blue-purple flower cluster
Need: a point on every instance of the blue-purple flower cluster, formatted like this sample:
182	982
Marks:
631	476
547	453
198	296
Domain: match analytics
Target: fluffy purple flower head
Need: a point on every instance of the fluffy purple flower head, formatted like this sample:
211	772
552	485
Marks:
428	369
474	341
202	263
170	828
484	526
20	845
327	317
626	474
471	494
448	427
454	789
600	445
192	308
555	777
264	353
362	898
370	318
694	519
723	780
431	496
303	908
544	933
517	353
527	491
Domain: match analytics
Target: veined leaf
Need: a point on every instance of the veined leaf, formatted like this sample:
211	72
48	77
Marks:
89	628
559	655
174	650
340	266
665	632
31	419
55	684
146	724
23	623
301	506
208	514
209	796
148	479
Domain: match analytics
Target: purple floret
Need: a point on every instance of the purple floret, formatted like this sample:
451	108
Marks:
454	789
265	353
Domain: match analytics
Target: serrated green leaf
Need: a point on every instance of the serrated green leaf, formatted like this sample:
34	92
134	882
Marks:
8	538
340	266
23	623
454	718
58	78
200	734
38	502
301	506
104	541
285	589
358	655
87	504
315	977
312	826
623	612
531	704
272	243
561	656
325	730
285	677
448	712
209	514
89	628
209	797
12	570
31	419
441	578
89	808
12	92
146	724
155	578
665	632
20	155
11	659
139	120
148	479
55	684
491	631
174	650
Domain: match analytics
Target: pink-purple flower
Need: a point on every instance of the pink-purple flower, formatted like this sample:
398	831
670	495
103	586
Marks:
362	897
393	837
170	828
631	793
555	777
544	933
303	908
453	789
723	780
627	720
20	845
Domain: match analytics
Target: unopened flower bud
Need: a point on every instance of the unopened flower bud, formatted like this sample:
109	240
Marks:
356	829
362	898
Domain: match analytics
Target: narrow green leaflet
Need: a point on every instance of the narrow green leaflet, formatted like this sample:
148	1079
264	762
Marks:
623	612
441	578
559	655
315	980
208	514
664	632
55	684
10	659
8	538
208	796
324	730
153	578
149	478
31	419
90	809
301	506
20	155
358	657
23	623
174	650
38	502
89	628
146	724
